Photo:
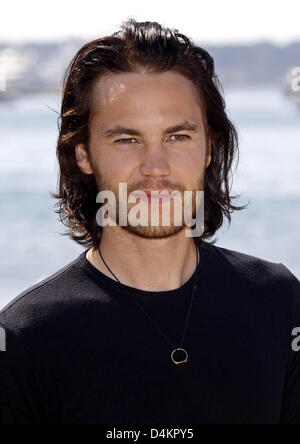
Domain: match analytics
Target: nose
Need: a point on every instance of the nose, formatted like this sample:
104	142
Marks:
155	162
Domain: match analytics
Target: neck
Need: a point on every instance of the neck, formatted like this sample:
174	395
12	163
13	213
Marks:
147	264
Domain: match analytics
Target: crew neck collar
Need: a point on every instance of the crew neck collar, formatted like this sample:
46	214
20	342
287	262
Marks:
113	285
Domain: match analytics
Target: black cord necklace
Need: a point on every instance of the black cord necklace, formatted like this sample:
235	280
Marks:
176	350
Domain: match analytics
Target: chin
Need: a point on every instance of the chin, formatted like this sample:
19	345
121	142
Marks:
153	232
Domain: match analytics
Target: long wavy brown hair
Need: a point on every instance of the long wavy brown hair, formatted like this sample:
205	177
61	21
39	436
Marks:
158	49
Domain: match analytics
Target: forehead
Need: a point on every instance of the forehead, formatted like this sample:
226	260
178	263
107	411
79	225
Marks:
142	94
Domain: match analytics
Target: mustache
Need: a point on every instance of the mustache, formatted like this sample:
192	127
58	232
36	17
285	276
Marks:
159	186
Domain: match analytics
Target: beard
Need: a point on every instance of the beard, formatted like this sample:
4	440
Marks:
160	230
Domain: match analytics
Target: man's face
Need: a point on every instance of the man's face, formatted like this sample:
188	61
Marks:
143	154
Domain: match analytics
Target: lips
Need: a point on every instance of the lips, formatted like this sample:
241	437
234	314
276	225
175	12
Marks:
160	190
165	196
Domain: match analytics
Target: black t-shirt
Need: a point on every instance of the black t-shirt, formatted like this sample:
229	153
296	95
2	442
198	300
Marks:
80	351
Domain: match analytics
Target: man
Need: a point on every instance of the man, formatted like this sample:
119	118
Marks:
144	328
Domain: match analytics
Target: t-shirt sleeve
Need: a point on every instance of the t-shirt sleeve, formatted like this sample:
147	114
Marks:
291	399
20	401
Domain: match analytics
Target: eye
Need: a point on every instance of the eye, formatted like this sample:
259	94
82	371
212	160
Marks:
124	141
182	136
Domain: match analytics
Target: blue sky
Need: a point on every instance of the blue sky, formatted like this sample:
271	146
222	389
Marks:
218	21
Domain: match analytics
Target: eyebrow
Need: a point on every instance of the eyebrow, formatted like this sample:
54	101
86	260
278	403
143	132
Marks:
119	130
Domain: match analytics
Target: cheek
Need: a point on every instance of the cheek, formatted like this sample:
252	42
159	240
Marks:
111	167
189	166
117	170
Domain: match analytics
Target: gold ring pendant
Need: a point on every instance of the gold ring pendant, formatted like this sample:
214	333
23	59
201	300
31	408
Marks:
184	361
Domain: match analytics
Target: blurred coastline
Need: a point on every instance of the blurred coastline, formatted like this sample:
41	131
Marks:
35	68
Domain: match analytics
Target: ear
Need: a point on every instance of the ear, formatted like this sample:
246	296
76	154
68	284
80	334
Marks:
208	153
83	159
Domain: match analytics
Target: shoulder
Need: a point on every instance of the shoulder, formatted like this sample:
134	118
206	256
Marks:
42	303
263	277
253	268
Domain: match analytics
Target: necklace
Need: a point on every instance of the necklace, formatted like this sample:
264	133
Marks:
176	350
